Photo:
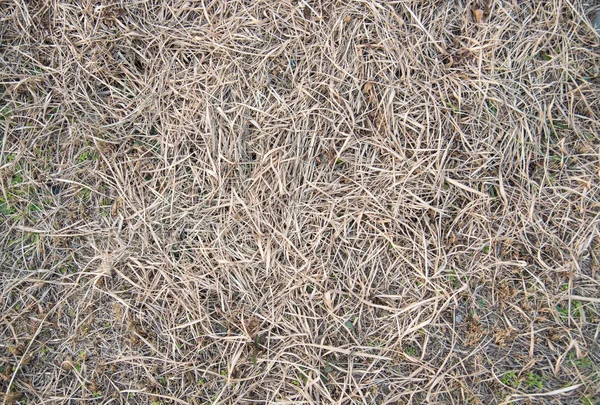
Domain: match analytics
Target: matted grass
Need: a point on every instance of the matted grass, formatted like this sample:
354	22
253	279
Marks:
376	202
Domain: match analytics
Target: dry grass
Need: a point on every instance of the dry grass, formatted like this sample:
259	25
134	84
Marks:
376	202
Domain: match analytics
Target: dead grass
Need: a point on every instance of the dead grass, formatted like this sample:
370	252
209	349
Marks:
299	202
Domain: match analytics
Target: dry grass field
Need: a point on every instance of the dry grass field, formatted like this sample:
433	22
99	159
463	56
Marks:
299	202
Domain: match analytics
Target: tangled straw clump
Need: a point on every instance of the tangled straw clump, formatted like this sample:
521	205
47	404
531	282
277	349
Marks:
384	202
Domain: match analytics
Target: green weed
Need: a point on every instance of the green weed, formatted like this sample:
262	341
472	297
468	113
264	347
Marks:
577	308
33	207
534	381
5	112
87	155
350	325
581	363
510	379
325	373
5	208
560	124
411	351
492	107
453	106
17	178
588	401
563	311
86	195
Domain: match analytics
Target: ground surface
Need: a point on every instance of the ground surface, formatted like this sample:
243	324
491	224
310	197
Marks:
318	202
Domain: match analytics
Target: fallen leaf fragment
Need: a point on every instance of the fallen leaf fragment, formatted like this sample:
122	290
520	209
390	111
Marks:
478	15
